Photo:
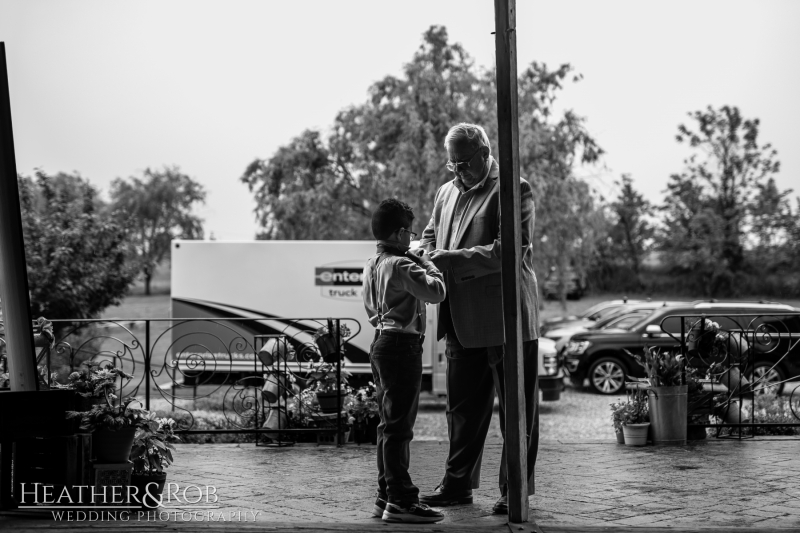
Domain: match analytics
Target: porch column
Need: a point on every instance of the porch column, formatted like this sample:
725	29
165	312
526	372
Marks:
13	271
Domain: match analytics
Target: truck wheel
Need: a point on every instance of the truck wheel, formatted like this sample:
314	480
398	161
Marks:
764	374
607	375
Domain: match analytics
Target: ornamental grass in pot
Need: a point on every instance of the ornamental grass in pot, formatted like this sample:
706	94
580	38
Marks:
151	455
667	394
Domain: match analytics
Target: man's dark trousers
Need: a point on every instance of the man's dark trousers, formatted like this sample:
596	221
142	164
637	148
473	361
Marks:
396	360
472	376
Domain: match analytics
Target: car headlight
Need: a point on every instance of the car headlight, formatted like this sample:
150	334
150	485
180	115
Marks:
550	363
577	347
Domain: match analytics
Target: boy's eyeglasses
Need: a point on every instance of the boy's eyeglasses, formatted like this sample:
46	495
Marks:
413	235
461	166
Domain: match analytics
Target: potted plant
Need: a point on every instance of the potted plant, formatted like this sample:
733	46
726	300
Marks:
667	394
635	421
617	416
330	392
326	341
95	383
151	455
363	414
113	428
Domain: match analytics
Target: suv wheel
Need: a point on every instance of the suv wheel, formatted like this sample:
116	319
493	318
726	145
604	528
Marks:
764	374
607	375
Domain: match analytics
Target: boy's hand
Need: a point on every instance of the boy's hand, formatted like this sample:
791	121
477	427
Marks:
420	257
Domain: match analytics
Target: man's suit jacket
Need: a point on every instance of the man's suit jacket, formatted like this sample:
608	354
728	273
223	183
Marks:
472	267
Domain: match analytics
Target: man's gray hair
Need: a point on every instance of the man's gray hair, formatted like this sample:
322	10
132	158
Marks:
471	134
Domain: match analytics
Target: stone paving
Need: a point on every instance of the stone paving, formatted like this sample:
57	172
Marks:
714	483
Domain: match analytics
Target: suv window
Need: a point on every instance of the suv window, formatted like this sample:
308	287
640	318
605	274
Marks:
626	321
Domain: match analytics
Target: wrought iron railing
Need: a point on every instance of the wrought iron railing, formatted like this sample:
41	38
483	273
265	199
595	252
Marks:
245	369
736	359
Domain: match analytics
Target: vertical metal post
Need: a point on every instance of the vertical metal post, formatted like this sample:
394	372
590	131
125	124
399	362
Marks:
516	439
683	351
147	363
338	345
21	355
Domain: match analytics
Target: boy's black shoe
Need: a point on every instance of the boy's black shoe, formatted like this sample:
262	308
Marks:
378	507
441	497
415	513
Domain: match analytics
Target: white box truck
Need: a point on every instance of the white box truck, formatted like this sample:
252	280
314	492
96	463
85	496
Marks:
273	280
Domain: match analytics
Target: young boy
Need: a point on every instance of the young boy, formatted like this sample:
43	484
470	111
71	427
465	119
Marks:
396	286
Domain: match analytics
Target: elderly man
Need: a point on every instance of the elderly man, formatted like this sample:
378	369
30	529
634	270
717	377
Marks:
463	240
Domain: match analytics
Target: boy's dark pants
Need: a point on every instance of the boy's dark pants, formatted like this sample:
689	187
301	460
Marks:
396	360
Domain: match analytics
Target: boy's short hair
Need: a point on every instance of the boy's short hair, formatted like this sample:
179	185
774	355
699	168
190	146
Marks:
391	215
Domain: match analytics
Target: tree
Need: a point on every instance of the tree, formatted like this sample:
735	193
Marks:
326	188
319	187
632	232
722	176
77	257
157	209
771	222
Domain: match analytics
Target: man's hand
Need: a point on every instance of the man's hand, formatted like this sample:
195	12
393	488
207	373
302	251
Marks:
416	251
440	258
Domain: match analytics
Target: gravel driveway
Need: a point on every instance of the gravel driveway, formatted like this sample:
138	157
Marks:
578	416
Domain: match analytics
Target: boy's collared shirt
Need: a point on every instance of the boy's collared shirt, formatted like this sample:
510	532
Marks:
395	292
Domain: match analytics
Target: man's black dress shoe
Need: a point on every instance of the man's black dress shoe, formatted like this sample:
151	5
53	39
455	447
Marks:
442	497
501	506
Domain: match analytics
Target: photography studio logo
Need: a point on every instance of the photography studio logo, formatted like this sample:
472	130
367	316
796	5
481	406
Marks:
87	503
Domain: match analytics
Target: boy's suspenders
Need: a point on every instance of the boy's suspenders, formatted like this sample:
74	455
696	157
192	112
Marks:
375	291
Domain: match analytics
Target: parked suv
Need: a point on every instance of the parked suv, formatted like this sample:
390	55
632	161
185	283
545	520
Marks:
601	355
588	317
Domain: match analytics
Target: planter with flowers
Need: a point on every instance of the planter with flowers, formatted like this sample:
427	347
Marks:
617	414
635	421
363	414
330	392
113	428
151	455
95	384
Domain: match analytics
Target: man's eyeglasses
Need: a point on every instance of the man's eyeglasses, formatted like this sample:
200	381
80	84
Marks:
461	166
413	235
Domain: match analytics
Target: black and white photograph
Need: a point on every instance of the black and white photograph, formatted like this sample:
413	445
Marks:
505	266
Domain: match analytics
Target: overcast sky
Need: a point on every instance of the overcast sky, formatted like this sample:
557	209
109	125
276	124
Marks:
108	88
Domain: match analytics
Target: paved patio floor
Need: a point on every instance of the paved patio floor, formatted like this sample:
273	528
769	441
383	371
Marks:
713	483
579	486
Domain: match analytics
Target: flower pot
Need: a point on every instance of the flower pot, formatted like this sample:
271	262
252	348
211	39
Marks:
668	414
333	438
84	404
111	446
367	431
273	349
276	420
620	437
328	401
697	433
635	434
275	386
149	488
326	344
